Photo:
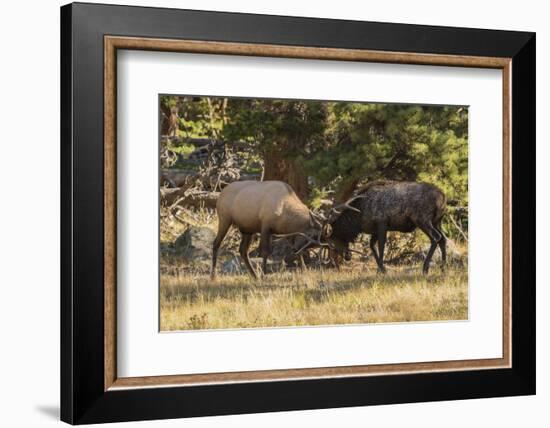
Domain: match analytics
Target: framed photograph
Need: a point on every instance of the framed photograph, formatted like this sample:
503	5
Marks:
267	213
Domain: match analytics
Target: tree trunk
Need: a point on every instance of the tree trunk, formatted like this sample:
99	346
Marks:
279	168
164	123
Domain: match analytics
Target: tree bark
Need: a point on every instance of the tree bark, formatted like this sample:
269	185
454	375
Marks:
164	123
276	167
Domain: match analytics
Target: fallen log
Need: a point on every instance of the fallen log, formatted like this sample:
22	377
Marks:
203	142
189	198
176	177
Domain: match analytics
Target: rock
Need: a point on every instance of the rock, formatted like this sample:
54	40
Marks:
195	244
272	265
236	266
280	249
233	266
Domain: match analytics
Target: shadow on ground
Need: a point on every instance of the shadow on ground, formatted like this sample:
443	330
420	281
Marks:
207	290
49	410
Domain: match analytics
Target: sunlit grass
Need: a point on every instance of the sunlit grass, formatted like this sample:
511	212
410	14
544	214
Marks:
312	297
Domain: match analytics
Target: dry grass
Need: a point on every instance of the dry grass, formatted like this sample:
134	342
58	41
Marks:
355	295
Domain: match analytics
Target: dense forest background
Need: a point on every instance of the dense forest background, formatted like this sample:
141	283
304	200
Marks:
324	150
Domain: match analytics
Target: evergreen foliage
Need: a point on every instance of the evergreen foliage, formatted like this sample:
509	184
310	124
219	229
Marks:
333	147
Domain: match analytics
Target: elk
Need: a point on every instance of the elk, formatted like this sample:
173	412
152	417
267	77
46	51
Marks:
384	206
270	208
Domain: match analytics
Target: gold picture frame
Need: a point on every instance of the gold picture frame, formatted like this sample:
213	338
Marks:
114	43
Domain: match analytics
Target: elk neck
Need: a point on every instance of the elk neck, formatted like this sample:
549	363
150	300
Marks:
347	226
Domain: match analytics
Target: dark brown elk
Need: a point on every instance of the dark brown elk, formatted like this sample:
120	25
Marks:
384	206
270	208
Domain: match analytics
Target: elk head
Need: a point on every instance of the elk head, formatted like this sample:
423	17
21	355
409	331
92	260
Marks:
311	238
320	234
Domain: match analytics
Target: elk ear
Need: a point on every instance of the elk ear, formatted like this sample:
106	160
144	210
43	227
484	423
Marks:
327	231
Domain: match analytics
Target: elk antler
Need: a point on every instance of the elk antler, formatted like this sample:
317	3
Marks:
316	243
362	253
290	235
339	208
310	241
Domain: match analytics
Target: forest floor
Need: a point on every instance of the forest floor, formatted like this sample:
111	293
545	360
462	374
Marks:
356	294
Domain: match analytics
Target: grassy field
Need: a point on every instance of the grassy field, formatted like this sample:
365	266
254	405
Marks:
312	297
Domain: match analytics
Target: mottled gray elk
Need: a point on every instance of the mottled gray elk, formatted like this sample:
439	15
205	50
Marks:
384	206
270	208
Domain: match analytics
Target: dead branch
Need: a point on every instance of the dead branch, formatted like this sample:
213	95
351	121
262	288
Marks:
457	226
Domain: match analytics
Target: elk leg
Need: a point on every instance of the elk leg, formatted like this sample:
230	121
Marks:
435	237
243	250
334	258
442	245
265	248
302	262
223	227
381	235
372	244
